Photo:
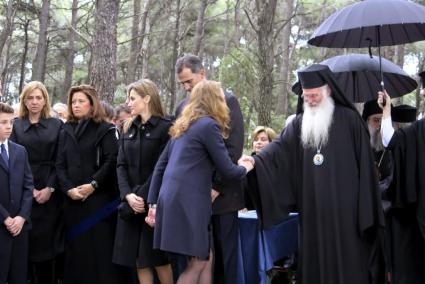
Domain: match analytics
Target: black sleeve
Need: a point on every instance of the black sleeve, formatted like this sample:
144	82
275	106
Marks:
65	183
28	186
122	171
109	146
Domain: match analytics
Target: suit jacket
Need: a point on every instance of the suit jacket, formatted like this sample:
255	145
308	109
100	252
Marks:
231	196
16	184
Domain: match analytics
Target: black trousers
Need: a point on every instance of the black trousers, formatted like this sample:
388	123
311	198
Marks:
13	257
225	235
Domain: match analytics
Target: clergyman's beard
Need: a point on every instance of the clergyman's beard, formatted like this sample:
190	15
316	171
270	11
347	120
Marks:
376	139
316	123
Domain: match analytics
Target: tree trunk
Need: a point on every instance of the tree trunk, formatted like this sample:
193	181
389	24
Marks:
39	62
104	53
134	48
265	40
288	10
8	24
199	35
144	50
24	56
69	68
176	41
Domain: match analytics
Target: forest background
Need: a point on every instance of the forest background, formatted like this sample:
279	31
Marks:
254	47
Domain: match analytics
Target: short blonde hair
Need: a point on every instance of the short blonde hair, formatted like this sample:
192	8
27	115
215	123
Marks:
271	134
206	99
28	89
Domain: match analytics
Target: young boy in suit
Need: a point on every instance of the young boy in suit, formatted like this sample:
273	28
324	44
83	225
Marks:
16	186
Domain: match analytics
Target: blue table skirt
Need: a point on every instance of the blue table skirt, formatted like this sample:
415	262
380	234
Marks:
259	249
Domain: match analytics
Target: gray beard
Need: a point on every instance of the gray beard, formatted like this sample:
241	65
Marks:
316	123
376	139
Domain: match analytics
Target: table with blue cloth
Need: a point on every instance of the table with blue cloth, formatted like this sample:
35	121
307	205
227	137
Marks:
259	249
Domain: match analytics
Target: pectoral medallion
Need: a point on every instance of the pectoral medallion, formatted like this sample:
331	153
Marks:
318	159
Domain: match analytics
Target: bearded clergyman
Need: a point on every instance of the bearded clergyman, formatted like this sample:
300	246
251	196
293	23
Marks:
322	167
372	114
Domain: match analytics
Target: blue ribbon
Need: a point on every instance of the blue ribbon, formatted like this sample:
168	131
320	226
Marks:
93	219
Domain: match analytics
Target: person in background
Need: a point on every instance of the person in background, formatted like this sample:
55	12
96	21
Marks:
143	138
109	111
86	168
15	203
38	132
180	191
16	110
228	196
122	113
261	137
61	111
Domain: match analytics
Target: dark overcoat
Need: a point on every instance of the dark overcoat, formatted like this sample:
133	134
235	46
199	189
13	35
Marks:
139	150
88	151
231	196
16	185
181	187
40	140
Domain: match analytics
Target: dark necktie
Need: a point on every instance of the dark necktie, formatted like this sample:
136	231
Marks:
4	155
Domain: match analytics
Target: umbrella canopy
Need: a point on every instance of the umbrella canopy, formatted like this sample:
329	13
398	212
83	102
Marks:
359	77
372	23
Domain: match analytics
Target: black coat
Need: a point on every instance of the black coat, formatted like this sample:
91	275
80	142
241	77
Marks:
89	155
139	150
231	196
41	142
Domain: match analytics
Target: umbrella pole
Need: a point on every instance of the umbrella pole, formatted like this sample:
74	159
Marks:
380	59
378	34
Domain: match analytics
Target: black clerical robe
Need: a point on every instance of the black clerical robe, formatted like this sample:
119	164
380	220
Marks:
338	202
406	218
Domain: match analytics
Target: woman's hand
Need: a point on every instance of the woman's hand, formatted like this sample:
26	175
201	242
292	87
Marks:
136	203
150	219
85	190
74	194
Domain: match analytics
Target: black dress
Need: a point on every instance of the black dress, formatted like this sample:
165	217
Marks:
87	151
40	139
139	150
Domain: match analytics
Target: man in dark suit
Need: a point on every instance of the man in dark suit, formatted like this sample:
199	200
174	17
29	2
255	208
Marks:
227	196
15	203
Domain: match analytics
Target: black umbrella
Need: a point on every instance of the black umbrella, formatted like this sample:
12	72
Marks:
360	78
372	23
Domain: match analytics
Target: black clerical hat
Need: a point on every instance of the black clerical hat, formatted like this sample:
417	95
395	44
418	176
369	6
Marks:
370	108
312	76
403	113
422	76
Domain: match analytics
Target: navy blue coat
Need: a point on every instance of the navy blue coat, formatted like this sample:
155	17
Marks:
181	186
16	185
231	197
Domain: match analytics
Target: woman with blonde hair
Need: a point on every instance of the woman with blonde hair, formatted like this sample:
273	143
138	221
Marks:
142	141
180	191
38	132
261	137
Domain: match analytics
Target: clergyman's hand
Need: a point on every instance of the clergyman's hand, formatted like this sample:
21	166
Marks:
386	109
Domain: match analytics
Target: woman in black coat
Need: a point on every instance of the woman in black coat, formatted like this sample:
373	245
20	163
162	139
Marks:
143	139
38	132
86	169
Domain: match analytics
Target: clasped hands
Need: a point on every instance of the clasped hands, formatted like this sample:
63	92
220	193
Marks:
14	225
247	162
136	203
81	192
42	195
